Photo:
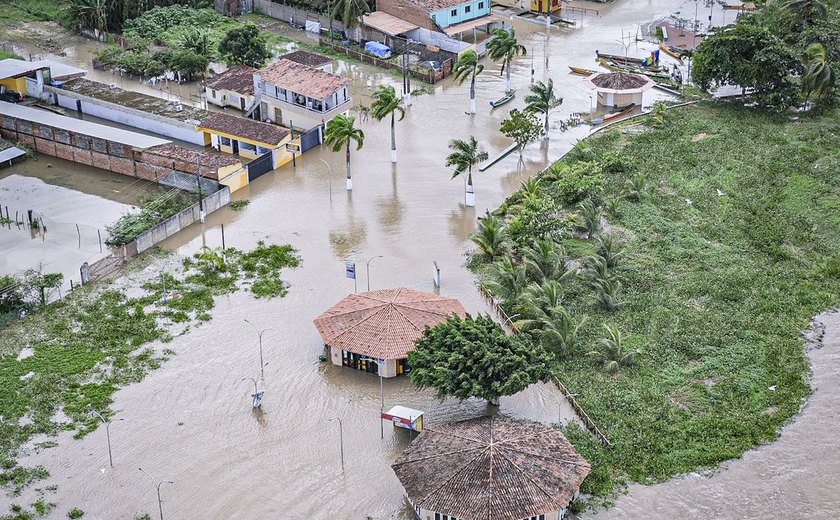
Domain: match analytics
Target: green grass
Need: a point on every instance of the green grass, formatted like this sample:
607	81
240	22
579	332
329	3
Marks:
715	293
92	342
17	11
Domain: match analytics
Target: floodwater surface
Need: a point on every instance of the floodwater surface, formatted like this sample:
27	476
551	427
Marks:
191	421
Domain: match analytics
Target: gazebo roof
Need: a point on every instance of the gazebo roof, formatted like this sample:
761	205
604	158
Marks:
491	468
384	324
619	82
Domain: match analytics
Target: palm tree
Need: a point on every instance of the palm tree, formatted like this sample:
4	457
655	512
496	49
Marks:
545	260
490	238
560	332
609	249
465	155
806	10
349	12
505	47
635	188
612	353
819	77
340	132
536	302
506	280
198	41
590	215
88	14
385	103
468	66
542	101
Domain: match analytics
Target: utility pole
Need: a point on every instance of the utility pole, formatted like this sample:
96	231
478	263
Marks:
340	438
198	183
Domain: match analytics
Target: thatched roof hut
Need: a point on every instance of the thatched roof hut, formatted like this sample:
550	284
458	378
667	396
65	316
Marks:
491	468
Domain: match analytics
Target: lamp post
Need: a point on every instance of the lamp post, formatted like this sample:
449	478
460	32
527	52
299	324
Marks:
260	332
257	395
329	173
367	269
157	485
340	437
107	424
532	62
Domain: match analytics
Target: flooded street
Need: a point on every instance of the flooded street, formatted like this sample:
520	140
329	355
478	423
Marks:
191	421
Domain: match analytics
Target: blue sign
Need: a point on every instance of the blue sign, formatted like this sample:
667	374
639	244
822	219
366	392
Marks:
350	269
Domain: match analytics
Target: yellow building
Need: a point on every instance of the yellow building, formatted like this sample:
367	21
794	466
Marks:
545	6
29	77
263	145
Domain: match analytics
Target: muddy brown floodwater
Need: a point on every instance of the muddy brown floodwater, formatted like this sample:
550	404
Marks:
191	421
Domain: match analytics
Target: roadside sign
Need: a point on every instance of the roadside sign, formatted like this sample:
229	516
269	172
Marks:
350	269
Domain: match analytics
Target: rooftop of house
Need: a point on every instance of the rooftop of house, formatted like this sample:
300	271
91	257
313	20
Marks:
239	79
491	467
11	68
310	59
619	82
301	79
436	5
136	100
388	24
249	129
210	162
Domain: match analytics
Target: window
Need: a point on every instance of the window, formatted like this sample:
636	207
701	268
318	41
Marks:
213	94
247	146
481	5
467	9
224	140
454	12
261	150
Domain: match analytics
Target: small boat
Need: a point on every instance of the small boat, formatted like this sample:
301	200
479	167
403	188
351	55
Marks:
501	101
581	71
626	60
667	89
674	52
606	118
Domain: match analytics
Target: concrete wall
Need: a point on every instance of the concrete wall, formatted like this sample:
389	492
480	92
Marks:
177	222
135	118
293	15
409	12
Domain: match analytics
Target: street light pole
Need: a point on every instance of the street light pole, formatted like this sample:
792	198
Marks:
107	434
329	173
340	438
157	485
260	333
532	62
367	269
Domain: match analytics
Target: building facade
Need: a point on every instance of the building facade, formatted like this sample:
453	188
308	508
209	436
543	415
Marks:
298	96
232	88
435	15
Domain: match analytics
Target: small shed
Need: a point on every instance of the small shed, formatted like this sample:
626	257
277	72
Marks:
619	89
378	328
405	418
491	467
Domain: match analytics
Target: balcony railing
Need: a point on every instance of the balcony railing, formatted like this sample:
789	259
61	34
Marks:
305	105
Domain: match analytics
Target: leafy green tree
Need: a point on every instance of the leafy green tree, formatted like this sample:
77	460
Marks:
490	238
612	353
341	131
465	155
473	357
387	103
819	78
504	46
468	66
523	128
198	40
806	10
350	12
244	45
189	63
542	100
750	56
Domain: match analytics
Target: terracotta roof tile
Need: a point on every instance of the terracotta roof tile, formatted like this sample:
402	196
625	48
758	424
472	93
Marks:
384	324
239	79
310	59
265	133
491	468
301	79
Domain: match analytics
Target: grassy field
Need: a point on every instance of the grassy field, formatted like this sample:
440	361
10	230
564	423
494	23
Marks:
733	247
73	355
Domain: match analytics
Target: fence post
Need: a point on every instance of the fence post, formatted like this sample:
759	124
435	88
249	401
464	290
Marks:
79	232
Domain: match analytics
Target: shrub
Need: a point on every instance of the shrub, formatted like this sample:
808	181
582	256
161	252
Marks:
155	210
581	180
75	513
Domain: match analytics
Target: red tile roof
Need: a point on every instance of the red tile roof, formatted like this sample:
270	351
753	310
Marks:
239	79
310	59
491	468
384	324
301	79
249	129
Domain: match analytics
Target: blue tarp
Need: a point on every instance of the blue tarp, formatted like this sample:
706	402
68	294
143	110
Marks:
377	48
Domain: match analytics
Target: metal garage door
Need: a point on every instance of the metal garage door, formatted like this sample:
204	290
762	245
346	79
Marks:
259	166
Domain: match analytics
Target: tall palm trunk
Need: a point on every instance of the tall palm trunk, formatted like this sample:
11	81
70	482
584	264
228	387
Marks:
507	83
545	126
472	95
469	195
393	140
349	178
